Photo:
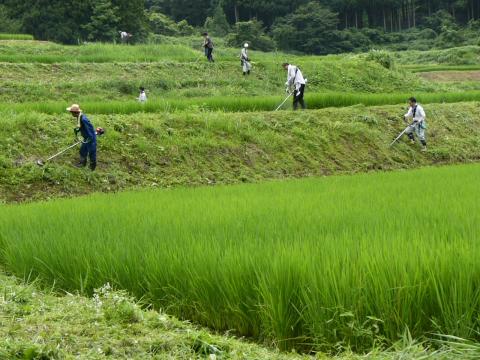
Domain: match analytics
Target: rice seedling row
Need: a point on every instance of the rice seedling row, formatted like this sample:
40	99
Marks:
309	264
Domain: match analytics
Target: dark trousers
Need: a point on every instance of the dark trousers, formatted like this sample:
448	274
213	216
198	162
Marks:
209	54
298	98
90	150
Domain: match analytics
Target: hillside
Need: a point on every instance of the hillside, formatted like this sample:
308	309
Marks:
207	148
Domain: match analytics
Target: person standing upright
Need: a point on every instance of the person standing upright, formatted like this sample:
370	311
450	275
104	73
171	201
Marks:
208	46
244	58
296	83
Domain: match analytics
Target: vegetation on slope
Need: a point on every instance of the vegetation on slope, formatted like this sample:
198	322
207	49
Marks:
351	261
170	149
36	324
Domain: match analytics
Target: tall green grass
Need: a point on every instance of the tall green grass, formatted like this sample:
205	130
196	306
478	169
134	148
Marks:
312	264
433	68
240	104
15	36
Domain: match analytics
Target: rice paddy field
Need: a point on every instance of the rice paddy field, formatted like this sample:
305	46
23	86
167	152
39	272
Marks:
302	232
309	264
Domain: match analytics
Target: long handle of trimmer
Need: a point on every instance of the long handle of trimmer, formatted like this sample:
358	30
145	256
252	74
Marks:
63	151
284	101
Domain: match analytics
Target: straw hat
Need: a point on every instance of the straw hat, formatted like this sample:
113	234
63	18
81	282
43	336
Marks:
75	108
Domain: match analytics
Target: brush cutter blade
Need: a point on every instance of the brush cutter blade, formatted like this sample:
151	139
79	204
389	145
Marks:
40	163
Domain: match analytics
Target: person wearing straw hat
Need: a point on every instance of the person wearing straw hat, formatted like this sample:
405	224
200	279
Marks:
89	144
245	60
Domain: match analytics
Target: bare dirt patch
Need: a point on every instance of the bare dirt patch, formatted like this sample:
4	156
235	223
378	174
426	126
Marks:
451	76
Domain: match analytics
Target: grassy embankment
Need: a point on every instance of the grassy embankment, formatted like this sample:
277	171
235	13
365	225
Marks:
172	149
318	264
39	324
177	71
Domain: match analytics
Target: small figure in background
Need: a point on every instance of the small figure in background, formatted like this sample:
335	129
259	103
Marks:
143	95
245	60
208	45
125	37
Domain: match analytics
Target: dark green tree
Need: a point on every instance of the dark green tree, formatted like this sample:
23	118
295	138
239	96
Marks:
312	28
104	22
217	24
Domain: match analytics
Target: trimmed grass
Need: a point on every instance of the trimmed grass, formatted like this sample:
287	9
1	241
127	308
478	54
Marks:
36	324
308	264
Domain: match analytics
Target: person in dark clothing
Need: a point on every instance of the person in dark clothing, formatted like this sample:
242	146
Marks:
86	129
208	45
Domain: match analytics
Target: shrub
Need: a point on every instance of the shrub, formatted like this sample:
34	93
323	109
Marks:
251	31
427	34
162	24
381	57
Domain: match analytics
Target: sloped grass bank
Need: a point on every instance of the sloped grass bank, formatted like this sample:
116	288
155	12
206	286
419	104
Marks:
173	149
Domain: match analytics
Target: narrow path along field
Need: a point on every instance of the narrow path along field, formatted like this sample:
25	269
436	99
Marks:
351	262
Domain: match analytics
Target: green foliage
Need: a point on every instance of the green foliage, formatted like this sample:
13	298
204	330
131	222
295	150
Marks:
217	24
7	24
384	58
251	32
18	37
103	23
161	24
310	29
381	267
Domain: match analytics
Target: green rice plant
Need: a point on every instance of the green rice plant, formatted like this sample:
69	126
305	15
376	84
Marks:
15	37
242	104
316	264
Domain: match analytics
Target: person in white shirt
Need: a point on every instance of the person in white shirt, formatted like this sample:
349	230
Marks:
417	114
246	64
125	36
143	96
296	81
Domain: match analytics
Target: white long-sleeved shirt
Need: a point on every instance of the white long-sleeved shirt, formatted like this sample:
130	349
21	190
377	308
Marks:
244	54
416	113
295	77
142	97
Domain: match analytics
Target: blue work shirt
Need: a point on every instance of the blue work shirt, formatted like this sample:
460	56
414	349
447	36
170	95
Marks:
87	130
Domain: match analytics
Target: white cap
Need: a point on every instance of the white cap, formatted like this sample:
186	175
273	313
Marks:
245	45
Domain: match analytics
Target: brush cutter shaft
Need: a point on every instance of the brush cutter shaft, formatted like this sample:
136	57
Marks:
402	133
284	101
63	151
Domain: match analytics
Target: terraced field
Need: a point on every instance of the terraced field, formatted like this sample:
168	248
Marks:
381	263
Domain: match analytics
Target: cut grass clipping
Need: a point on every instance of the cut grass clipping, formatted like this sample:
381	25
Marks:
243	104
311	264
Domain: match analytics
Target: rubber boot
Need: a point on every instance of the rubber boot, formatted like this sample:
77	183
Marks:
93	165
424	144
412	138
82	162
248	72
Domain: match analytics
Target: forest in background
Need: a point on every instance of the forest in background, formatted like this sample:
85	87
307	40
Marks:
304	26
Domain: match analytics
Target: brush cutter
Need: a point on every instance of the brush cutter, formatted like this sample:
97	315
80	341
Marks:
284	101
402	133
99	132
